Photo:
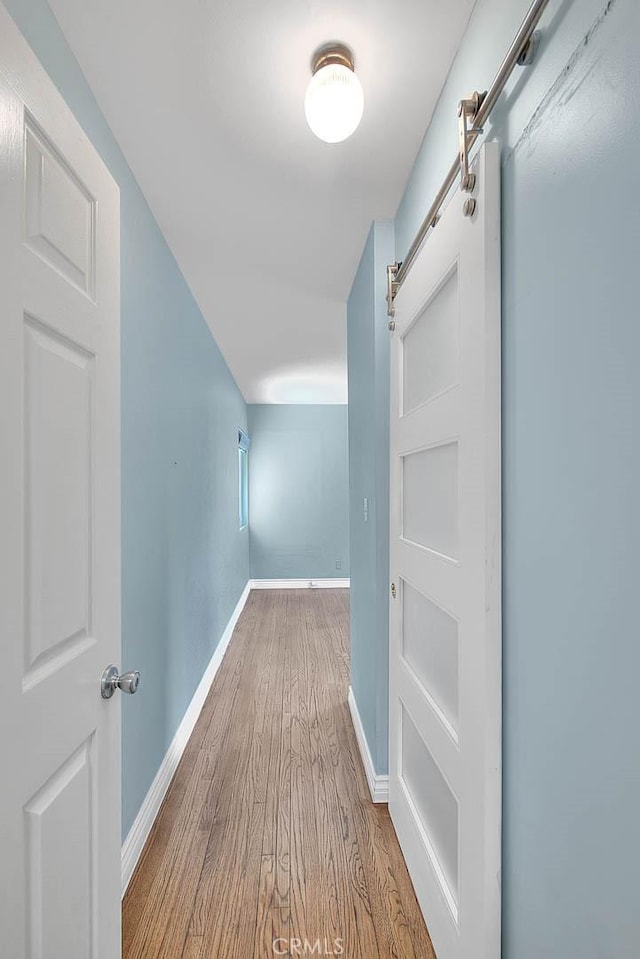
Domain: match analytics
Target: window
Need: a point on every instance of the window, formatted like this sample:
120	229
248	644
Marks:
243	479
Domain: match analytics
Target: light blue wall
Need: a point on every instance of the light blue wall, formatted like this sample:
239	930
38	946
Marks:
368	364
298	491
570	130
184	562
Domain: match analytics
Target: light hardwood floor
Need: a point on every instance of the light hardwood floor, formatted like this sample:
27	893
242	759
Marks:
267	831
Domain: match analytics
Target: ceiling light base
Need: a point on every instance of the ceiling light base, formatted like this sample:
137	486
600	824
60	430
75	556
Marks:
332	53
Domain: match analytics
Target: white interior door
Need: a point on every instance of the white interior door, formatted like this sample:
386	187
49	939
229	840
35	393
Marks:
445	623
59	523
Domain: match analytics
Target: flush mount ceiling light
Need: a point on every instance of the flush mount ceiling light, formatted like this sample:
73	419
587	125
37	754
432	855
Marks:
334	101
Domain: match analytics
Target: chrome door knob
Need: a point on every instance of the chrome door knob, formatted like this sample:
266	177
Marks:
111	680
129	682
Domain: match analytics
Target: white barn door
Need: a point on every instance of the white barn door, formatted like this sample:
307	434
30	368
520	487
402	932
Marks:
59	525
445	620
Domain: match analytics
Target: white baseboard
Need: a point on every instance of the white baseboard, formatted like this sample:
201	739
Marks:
378	785
299	584
139	832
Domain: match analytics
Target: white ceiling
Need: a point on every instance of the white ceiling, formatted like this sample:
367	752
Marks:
267	223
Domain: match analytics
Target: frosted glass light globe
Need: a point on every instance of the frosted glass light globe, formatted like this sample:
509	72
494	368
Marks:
334	103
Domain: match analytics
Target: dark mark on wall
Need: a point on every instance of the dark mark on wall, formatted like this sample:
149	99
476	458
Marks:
557	96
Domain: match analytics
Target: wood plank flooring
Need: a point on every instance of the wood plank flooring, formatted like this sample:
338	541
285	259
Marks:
267	834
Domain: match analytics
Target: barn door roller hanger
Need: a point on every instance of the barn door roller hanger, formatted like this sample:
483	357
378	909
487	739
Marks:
472	113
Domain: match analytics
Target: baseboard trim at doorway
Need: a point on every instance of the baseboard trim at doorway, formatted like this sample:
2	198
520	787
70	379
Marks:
139	832
299	584
378	785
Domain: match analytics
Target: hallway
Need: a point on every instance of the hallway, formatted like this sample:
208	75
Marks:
267	834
